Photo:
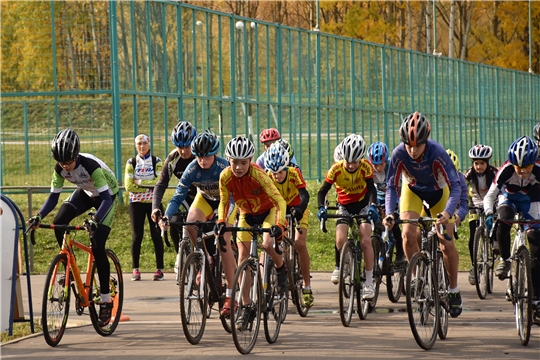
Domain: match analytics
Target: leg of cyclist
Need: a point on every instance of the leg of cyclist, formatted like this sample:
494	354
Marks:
367	250
136	216
506	211
227	259
303	259
396	233
473	224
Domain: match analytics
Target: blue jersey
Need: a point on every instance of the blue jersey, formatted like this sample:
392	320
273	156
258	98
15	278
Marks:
432	171
206	182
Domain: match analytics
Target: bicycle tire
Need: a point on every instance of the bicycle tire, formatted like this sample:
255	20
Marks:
361	304
193	301
377	244
481	262
522	284
55	304
346	284
248	279
221	285
421	308
116	290
274	305
443	284
184	249
298	292
395	281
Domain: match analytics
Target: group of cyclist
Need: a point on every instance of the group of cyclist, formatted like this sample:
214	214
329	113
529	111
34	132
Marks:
420	174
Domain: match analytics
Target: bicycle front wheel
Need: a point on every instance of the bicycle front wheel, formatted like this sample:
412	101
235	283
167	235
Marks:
395	282
193	299
522	289
246	318
422	301
298	282
378	248
274	304
184	249
444	300
346	284
55	305
116	290
481	261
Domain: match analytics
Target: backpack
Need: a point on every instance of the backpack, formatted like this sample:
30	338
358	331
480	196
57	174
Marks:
154	160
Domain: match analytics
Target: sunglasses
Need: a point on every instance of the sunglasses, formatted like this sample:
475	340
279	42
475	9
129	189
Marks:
522	168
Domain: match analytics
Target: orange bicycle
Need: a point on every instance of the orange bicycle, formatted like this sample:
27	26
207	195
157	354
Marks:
58	286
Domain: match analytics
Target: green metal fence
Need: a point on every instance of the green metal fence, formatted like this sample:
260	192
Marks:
113	70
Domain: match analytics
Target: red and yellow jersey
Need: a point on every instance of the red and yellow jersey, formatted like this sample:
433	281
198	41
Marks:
289	188
253	193
350	187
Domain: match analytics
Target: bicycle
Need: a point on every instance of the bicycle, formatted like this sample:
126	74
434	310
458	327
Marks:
295	278
201	285
351	272
426	288
394	272
519	288
483	256
64	277
256	293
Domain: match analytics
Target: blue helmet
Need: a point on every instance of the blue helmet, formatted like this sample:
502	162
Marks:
183	134
276	158
378	153
205	144
523	152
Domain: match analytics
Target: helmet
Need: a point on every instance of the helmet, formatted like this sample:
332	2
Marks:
270	134
378	153
205	144
523	152
240	148
354	148
414	129
454	158
65	146
480	152
276	158
183	134
287	147
338	152
536	132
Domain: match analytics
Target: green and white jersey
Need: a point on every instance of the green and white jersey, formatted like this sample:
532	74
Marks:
91	175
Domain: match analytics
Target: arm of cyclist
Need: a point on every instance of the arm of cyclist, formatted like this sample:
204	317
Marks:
321	200
159	189
463	207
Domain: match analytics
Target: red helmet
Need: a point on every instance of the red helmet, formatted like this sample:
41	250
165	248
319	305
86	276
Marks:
269	135
415	129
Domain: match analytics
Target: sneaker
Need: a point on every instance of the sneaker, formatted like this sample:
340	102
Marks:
508	294
472	277
335	276
501	271
158	276
308	298
105	312
282	278
368	292
455	304
226	309
495	247
400	261
136	275
242	320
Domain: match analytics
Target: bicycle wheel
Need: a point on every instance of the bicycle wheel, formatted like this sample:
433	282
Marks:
55	305
184	249
522	291
378	248
193	298
346	284
491	265
422	301
246	319
362	305
116	290
395	282
444	300
221	285
274	305
481	262
297	292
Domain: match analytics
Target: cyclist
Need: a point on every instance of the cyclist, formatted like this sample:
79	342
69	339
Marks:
428	175
181	136
291	185
96	188
518	183
378	157
356	194
536	134
140	177
267	138
479	176
258	201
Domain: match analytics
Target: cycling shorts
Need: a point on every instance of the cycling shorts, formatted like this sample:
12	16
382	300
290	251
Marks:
208	208
414	201
267	221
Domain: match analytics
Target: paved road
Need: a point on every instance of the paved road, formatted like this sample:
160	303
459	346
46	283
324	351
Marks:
485	329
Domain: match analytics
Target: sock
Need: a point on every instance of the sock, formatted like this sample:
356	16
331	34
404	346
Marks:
307	288
454	290
228	293
369	277
105	298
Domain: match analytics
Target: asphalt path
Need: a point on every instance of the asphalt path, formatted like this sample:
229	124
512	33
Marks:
485	329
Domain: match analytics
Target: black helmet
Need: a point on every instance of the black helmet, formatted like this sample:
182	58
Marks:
205	144
183	134
65	146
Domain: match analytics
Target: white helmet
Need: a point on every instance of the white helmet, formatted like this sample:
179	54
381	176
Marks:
240	148
353	148
338	152
276	158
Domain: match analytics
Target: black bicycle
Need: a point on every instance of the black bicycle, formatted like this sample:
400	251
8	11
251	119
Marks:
483	256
